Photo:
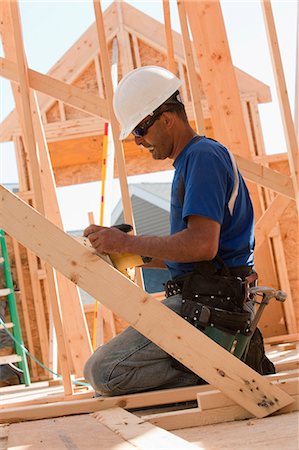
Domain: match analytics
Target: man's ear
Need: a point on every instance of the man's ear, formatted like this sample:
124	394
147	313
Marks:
169	119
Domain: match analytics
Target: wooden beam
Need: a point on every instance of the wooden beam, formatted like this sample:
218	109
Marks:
178	338
297	80
282	92
215	399
168	37
140	434
24	109
25	310
286	338
284	283
69	94
136	50
123	42
193	81
269	219
41	405
195	418
266	177
119	151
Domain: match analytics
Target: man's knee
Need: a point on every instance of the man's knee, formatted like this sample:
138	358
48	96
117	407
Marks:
96	372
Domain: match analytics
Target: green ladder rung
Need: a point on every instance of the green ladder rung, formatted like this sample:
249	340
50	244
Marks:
14	317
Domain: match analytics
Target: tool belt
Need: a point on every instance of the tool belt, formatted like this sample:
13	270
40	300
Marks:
213	299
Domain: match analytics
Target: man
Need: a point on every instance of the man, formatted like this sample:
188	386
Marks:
211	215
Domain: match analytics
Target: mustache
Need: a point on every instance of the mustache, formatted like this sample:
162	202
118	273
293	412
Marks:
147	147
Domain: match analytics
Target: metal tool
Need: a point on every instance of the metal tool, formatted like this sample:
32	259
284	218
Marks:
267	293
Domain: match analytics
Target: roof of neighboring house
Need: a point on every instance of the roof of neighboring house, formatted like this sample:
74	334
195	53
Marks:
151	205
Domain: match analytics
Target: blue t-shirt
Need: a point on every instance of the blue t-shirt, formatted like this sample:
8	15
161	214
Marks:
208	176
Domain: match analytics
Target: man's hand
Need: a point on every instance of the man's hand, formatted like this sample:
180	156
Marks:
106	240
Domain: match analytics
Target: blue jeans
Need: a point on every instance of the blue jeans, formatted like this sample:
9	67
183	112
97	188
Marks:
132	363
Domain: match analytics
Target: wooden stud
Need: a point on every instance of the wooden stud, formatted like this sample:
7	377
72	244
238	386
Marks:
288	305
103	314
181	340
294	337
136	50
99	76
297	81
289	129
39	308
273	215
183	88
269	219
61	111
75	330
119	151
25	311
193	81
24	108
168	37
123	42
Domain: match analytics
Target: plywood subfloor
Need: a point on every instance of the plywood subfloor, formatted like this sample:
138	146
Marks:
275	433
82	432
73	433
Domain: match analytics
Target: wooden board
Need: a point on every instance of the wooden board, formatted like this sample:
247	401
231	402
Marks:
72	433
142	435
194	349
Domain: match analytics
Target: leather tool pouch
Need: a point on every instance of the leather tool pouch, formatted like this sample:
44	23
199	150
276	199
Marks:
215	300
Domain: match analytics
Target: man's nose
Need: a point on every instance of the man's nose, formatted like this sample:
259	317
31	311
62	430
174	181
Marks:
138	140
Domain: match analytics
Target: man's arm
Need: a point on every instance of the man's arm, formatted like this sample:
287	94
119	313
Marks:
198	242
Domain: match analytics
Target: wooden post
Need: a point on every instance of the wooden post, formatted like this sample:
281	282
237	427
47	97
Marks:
25	113
275	207
123	42
281	87
119	151
193	81
297	79
168	36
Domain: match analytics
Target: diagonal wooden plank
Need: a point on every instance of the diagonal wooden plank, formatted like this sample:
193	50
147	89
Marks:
139	433
178	338
269	219
65	92
282	93
266	177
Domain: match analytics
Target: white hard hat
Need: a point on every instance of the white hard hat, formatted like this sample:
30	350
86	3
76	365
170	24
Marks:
139	93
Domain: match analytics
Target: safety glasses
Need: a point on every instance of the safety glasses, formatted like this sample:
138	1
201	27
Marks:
143	127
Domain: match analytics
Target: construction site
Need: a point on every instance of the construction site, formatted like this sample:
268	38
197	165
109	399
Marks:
59	300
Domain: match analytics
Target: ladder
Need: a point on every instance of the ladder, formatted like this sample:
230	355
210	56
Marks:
20	356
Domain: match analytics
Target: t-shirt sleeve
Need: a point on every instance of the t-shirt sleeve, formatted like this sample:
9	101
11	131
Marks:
206	184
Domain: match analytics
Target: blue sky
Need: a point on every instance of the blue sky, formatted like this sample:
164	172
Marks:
51	27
